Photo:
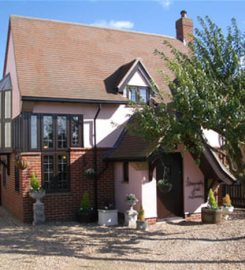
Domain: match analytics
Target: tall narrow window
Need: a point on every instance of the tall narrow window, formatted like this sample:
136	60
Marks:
75	131
48	172
61	132
125	172
48	132
7	104
33	132
62	181
7	134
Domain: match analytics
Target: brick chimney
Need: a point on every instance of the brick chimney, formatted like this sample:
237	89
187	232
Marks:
184	28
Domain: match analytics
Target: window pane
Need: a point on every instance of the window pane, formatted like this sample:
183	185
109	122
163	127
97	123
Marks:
132	94
143	94
47	132
75	130
33	131
62	172
48	171
62	132
7	105
7	134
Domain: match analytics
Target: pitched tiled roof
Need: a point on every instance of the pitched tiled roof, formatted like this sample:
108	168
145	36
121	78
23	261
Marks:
65	60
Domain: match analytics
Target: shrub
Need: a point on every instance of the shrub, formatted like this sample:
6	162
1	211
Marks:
141	214
227	200
35	185
211	200
85	203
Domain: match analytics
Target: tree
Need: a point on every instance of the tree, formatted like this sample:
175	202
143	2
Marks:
208	93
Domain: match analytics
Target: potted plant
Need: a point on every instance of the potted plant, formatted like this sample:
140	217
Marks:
108	216
227	206
164	185
141	224
36	190
89	173
211	213
86	213
37	193
131	214
20	163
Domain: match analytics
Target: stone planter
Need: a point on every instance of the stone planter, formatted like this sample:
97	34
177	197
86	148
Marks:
38	207
131	218
108	217
227	210
141	225
211	216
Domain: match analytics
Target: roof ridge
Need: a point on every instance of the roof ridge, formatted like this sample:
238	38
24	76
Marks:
92	26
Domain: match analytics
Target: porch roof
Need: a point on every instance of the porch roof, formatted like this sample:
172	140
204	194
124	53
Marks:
135	148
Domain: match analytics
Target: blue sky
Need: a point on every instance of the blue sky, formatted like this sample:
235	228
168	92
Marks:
153	16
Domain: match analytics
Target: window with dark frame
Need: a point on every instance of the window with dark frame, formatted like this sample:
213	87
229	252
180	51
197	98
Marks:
125	172
138	94
56	172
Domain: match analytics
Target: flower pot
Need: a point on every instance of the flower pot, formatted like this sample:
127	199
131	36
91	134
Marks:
141	225
87	216
37	195
164	188
21	164
108	217
211	216
227	210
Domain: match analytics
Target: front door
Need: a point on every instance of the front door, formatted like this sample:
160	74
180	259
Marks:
170	203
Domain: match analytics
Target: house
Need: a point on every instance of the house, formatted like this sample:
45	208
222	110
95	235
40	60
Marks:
64	104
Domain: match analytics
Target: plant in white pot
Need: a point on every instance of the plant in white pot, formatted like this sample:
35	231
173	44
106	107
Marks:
108	215
131	214
37	193
228	208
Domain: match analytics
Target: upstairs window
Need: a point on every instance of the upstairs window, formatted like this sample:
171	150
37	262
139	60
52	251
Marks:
138	94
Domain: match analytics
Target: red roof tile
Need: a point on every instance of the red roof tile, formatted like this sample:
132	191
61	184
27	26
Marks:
65	60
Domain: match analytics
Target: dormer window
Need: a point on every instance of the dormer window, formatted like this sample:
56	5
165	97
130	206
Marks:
138	94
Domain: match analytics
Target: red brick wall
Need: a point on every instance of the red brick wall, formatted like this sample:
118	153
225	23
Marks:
11	199
64	206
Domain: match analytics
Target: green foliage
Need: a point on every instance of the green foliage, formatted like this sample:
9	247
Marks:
211	200
208	93
85	202
35	185
141	214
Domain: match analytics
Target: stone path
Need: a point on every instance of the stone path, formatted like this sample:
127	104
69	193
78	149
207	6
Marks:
61	246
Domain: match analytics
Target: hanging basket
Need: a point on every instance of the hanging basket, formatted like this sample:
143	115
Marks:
21	164
164	186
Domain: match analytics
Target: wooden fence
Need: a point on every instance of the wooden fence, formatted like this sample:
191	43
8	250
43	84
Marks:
237	194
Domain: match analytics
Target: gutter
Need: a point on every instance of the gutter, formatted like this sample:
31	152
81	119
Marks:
95	160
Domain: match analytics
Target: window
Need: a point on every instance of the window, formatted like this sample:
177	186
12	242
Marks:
34	132
125	172
48	132
75	141
61	132
55	172
138	94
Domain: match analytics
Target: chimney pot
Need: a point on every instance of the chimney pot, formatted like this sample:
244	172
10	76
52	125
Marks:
183	13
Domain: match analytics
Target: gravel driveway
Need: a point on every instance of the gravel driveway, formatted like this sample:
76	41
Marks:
164	246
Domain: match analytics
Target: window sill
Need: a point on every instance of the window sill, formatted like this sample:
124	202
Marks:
56	194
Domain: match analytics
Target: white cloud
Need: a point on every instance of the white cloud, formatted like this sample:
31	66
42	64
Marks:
115	24
165	3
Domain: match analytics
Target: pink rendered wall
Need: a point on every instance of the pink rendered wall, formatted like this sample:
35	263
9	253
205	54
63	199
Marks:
138	184
11	68
110	120
193	181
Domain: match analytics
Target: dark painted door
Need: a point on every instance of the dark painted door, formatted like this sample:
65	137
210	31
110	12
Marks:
170	204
